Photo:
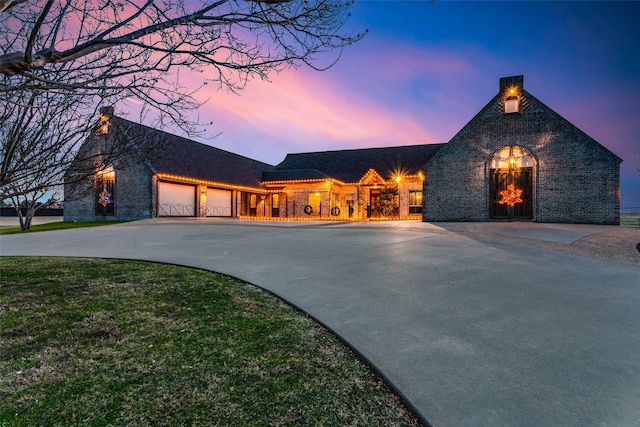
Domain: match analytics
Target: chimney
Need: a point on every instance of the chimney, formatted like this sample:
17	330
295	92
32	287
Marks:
511	82
107	111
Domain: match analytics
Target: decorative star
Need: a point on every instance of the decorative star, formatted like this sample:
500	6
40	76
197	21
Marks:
510	196
105	198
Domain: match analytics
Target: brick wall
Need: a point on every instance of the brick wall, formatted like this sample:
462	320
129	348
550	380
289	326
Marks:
576	180
133	194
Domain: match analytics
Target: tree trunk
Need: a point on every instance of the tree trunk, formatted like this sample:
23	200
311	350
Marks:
25	220
31	212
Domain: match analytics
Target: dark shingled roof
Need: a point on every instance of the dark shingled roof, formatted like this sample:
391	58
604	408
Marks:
289	175
351	165
174	155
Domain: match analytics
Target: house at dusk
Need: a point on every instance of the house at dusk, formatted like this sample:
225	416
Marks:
519	160
515	160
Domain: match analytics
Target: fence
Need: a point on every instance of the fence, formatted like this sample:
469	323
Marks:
11	212
630	217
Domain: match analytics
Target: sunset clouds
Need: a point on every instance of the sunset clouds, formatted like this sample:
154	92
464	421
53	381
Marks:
426	69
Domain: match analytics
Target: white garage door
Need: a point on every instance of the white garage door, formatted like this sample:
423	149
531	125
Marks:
176	199
218	202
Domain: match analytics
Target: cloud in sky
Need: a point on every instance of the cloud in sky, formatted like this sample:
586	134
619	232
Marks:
391	94
315	111
425	70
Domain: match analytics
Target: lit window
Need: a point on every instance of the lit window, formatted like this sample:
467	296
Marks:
275	205
104	192
251	204
314	201
511	105
415	202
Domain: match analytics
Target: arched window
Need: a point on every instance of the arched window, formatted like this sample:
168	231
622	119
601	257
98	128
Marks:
510	158
104	191
511	175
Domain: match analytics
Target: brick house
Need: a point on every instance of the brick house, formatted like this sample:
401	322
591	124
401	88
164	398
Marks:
146	173
352	184
515	160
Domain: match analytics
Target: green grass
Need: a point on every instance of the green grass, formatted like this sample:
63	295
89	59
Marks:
630	219
109	342
61	225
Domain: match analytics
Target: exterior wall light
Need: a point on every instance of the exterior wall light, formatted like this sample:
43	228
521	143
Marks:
512	101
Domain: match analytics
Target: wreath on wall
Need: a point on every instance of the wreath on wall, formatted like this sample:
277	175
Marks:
308	209
335	211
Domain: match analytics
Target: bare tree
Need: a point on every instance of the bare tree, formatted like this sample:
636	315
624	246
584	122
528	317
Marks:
60	59
38	132
136	49
39	136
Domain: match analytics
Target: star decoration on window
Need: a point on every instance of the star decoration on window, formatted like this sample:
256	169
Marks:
105	198
510	196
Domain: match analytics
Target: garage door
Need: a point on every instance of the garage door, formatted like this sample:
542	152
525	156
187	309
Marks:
176	199
218	202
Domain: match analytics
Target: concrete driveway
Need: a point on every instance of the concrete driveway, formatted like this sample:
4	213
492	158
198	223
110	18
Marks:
472	331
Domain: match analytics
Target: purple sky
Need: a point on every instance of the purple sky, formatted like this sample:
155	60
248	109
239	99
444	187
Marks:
426	69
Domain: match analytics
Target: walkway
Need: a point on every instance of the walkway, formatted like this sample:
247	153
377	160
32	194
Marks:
472	330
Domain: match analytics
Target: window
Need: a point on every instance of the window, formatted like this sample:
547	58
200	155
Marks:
104	127
314	202
275	205
104	192
253	204
511	105
415	202
335	200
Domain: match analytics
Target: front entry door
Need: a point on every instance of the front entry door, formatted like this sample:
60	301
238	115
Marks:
511	194
374	196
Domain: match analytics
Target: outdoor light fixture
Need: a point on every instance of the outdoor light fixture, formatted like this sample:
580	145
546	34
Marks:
104	124
512	102
513	160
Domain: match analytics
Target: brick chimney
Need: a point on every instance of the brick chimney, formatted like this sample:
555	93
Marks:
107	111
511	82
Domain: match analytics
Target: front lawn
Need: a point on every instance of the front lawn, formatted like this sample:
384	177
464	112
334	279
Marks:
60	225
109	342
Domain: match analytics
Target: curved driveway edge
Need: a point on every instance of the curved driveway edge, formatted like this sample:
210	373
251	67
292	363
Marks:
472	331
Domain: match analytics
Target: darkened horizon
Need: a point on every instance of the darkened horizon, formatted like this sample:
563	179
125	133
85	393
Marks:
426	69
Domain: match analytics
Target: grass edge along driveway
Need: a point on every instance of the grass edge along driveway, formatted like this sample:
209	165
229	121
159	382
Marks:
107	342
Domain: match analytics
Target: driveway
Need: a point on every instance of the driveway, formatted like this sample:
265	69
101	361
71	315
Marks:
472	330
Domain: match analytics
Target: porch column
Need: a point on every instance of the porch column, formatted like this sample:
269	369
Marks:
201	191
